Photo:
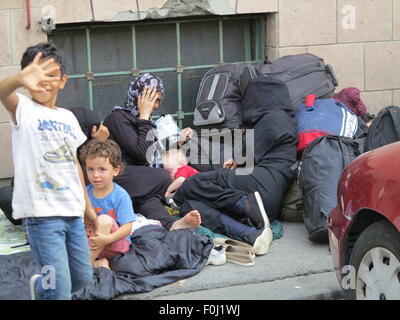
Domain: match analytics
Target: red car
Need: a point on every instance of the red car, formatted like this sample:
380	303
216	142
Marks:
364	228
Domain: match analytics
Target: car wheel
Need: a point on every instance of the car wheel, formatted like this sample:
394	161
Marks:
376	259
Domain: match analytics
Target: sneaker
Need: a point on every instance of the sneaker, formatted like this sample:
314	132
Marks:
261	240
217	256
32	285
254	210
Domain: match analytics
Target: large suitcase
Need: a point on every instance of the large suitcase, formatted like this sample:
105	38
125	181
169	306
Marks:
304	74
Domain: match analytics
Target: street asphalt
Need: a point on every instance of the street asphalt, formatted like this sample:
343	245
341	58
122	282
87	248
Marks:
294	269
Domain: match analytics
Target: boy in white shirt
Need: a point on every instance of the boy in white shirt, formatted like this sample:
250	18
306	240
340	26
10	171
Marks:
49	192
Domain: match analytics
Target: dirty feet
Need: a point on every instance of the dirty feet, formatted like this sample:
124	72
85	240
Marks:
191	220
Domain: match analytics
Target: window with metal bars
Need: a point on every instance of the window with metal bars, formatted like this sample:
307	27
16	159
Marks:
102	59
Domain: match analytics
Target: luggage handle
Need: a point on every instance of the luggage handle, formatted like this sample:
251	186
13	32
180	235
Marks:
298	72
321	90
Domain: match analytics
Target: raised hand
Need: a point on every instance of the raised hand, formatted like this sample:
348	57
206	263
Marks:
146	102
101	133
186	135
37	72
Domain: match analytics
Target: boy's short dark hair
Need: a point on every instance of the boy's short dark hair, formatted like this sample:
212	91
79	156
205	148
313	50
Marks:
106	149
48	50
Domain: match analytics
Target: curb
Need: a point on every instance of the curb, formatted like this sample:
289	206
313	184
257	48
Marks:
319	286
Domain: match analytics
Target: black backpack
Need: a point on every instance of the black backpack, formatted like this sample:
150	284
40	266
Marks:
384	129
304	74
322	163
218	113
219	99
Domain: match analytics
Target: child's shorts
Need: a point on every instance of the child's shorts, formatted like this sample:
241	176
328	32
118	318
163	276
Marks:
114	249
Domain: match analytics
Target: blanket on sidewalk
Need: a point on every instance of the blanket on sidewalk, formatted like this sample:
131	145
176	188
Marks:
157	258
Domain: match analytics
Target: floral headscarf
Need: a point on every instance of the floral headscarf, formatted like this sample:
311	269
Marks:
135	88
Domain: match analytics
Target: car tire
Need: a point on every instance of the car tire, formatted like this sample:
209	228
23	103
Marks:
377	247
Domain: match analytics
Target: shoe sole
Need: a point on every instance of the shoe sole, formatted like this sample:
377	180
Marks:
262	209
262	243
243	264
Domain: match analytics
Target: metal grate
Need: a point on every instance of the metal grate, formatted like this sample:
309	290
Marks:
73	44
102	59
235	35
190	85
108	92
156	46
111	49
75	94
199	43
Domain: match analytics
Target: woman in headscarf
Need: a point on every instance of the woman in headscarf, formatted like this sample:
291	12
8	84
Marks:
130	126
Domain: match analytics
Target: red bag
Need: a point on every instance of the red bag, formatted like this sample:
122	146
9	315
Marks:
351	98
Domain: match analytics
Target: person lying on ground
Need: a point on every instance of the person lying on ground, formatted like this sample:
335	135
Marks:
251	196
175	163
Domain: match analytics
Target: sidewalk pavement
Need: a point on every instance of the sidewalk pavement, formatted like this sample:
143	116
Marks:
294	268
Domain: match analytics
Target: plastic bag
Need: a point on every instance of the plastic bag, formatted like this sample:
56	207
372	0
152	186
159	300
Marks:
167	128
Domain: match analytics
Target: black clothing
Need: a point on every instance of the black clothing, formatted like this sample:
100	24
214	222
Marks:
6	193
132	135
145	185
87	119
267	110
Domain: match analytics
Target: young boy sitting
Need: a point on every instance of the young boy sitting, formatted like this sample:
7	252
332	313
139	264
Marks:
175	163
102	160
49	191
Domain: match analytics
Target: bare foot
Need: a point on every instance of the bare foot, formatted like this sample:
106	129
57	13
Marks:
101	263
191	220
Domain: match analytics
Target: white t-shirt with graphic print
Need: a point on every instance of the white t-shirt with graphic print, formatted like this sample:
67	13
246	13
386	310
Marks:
46	179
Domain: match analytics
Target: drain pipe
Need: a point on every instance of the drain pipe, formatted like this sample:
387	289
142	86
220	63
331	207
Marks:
28	14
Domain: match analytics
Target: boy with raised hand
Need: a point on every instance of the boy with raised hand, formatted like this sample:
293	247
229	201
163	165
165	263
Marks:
49	192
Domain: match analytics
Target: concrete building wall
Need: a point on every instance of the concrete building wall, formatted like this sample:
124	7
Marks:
360	38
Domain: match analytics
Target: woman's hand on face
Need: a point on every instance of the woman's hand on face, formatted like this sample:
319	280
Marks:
146	102
101	134
186	135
